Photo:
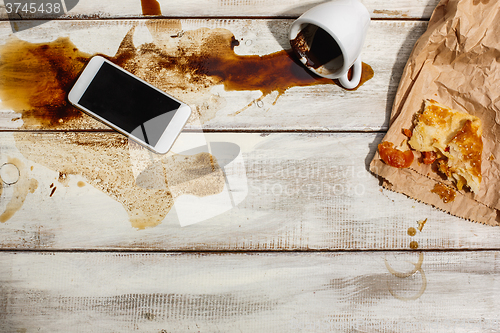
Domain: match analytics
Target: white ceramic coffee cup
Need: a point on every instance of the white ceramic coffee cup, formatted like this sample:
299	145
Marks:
346	21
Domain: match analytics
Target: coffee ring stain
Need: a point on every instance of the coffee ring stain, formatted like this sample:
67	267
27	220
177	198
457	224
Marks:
9	173
418	268
22	187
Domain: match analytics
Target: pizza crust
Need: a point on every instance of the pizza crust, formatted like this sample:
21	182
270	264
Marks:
456	138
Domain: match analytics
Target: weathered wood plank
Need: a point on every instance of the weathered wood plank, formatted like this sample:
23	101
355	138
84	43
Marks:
417	9
322	292
324	107
288	192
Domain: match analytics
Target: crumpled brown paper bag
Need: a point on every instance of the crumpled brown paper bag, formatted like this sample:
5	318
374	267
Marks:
457	63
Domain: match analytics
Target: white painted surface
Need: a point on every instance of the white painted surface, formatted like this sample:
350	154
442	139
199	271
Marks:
305	191
308	190
283	292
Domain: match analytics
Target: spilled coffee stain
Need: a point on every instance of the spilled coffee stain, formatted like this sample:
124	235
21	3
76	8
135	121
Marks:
404	275
203	58
186	64
22	187
194	175
36	78
81	184
390	12
63	178
150	7
104	161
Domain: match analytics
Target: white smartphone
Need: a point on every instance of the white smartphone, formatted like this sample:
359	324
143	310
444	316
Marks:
130	105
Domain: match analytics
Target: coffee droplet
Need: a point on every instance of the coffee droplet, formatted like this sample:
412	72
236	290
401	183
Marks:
412	231
413	245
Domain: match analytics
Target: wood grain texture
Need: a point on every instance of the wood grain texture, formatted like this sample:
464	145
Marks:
313	108
318	245
298	192
418	9
321	292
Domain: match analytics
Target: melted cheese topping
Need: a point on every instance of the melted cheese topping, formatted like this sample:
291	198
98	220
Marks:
455	135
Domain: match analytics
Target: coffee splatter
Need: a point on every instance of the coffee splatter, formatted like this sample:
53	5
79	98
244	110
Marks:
104	160
186	65
205	57
412	231
150	7
22	187
81	184
36	78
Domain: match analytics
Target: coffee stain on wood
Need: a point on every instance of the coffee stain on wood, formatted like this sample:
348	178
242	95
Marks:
186	64
404	275
203	58
390	12
36	78
105	162
22	187
150	7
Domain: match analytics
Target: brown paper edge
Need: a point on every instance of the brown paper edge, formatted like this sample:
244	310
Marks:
411	183
408	181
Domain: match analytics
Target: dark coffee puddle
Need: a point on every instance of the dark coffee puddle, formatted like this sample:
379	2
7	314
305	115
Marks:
150	7
36	78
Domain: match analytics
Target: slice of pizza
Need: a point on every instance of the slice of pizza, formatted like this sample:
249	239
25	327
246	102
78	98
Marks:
453	138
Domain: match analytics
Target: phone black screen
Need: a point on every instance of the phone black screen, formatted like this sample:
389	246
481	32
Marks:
129	104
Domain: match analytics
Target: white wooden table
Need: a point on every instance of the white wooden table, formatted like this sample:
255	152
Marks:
314	244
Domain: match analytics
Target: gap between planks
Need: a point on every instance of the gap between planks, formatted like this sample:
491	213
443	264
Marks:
256	252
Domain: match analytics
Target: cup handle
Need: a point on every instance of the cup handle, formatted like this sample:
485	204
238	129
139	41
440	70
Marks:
356	76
